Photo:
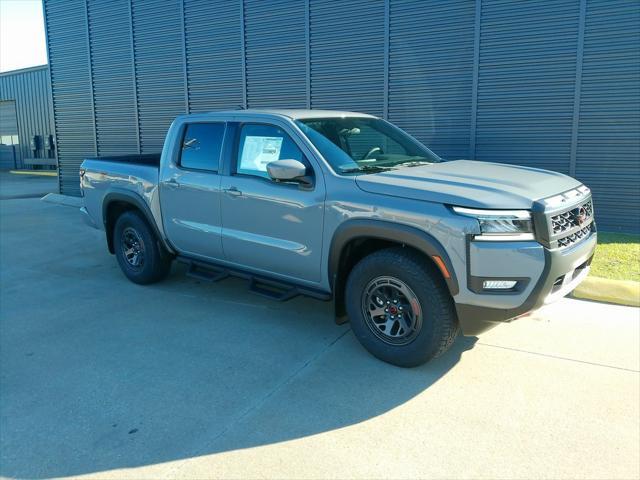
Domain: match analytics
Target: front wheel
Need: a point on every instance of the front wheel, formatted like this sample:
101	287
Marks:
140	256
399	307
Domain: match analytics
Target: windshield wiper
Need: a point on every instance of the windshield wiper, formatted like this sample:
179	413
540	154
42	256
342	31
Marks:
413	163
367	168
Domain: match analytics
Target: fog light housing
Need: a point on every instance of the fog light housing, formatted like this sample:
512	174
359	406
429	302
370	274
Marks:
499	284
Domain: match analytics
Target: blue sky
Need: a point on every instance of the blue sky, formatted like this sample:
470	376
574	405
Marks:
22	42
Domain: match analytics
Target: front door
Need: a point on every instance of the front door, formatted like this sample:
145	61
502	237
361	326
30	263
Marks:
268	226
190	193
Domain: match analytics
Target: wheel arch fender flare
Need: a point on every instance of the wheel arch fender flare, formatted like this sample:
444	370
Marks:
396	232
138	203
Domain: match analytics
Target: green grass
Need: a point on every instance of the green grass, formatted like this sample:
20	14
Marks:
617	257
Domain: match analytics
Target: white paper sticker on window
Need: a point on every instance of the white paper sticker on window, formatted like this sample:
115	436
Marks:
257	152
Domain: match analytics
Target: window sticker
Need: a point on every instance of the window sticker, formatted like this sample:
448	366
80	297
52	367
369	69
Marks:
257	152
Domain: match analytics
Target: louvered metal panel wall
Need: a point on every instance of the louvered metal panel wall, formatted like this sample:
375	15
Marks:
347	53
112	73
526	81
214	54
159	65
431	72
276	56
545	83
68	52
608	135
29	90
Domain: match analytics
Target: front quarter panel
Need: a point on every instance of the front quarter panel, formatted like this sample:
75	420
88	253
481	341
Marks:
347	202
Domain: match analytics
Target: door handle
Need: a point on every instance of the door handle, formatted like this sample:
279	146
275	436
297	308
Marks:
233	191
173	183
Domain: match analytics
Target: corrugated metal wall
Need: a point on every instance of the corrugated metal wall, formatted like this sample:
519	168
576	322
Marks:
526	78
112	74
431	72
213	54
29	89
68	52
546	83
608	127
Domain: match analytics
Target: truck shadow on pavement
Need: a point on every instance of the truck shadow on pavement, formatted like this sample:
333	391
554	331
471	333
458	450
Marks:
136	376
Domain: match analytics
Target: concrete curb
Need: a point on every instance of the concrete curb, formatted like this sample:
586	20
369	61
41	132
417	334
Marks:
65	200
620	292
37	173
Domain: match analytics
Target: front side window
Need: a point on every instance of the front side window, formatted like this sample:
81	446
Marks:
364	145
261	144
201	146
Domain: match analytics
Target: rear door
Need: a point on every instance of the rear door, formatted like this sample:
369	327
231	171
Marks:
190	192
268	226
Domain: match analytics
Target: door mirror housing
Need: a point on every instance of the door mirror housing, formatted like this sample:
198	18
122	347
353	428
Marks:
289	171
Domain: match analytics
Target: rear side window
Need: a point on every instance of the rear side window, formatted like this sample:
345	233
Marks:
261	144
201	146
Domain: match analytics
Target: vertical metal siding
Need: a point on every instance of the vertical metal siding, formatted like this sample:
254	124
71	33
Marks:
157	33
347	55
526	82
275	53
213	50
112	77
8	121
9	127
67	44
29	89
608	153
430	72
538	83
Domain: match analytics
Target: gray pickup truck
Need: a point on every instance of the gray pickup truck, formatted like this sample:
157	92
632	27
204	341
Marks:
346	207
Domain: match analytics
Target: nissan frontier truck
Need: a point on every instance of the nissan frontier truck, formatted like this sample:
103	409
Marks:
345	207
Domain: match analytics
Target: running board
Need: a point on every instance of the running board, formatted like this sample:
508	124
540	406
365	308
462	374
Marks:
206	273
273	290
265	287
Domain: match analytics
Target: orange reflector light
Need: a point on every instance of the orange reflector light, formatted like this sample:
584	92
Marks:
441	266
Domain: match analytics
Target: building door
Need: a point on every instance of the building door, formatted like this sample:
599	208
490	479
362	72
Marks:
8	134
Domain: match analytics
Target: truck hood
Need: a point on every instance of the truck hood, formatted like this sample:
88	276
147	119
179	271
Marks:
469	183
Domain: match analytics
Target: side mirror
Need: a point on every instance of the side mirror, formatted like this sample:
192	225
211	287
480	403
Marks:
289	171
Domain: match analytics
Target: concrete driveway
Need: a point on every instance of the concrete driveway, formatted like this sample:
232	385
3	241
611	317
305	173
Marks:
20	186
104	378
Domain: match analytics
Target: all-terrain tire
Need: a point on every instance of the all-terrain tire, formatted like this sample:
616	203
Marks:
439	325
133	236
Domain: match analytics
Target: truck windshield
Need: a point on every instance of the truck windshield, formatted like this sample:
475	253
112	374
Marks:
354	145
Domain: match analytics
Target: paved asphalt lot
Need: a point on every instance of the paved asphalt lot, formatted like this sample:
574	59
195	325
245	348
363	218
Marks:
186	380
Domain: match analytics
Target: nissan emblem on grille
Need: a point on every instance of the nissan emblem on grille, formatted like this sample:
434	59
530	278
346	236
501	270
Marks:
580	215
575	217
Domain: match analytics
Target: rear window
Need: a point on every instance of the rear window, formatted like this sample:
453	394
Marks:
201	146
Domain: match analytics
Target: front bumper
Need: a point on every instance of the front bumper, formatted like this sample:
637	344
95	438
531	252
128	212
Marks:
564	269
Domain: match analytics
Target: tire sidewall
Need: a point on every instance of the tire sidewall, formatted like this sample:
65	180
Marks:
425	345
152	267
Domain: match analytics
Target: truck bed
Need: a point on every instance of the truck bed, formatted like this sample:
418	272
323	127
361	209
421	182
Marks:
137	174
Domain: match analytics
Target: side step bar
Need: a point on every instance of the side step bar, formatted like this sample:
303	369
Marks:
206	273
266	287
277	292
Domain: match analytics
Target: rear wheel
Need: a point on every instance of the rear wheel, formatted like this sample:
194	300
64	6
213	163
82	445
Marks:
399	307
140	256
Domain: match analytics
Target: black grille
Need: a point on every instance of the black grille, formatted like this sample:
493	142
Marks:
564	222
574	237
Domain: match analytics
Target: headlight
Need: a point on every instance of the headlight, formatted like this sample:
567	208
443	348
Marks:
501	224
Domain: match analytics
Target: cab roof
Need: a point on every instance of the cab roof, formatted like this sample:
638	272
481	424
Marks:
293	113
